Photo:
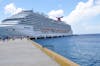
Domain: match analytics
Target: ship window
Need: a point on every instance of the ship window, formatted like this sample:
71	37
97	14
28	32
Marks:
13	29
10	29
27	27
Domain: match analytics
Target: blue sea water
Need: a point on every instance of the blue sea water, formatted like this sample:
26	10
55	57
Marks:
82	49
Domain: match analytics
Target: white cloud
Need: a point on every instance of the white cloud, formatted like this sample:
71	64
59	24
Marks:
83	11
97	2
12	9
88	28
81	14
55	13
79	17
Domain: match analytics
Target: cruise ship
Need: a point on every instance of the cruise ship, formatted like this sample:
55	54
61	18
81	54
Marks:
34	25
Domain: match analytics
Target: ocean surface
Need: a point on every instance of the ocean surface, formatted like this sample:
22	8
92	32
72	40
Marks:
82	49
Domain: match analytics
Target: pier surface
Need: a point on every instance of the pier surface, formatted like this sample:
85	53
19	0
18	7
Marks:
22	53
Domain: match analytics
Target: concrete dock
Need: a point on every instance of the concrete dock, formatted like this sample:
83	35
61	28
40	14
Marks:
22	53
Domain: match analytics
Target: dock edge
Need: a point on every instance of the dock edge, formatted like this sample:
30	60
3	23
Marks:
58	58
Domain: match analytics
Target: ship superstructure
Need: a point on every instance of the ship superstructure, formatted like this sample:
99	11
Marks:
32	24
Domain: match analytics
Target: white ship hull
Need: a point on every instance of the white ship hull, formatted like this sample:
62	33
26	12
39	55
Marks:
21	31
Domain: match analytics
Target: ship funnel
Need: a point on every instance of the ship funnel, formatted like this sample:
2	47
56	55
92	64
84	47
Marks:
59	18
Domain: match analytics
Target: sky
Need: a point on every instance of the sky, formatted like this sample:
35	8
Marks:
82	15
